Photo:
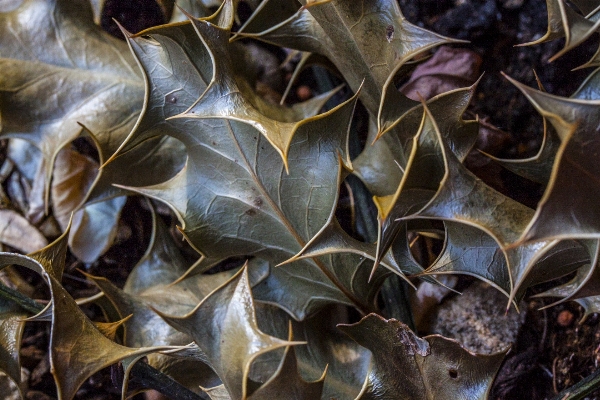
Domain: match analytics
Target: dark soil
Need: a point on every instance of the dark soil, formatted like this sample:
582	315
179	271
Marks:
555	349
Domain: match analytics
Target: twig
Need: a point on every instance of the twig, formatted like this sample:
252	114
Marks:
581	389
20	299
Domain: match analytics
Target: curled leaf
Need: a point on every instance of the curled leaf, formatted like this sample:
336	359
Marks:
406	366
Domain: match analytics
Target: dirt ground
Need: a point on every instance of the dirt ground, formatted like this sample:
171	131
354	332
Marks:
555	348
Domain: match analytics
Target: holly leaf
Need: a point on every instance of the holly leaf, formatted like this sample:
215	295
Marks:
564	21
537	168
585	283
327	351
406	366
53	49
227	97
287	382
77	348
380	166
367	42
232	340
261	199
468	250
12	323
415	132
463	198
573	181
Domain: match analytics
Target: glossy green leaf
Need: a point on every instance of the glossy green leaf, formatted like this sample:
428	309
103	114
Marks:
423	172
585	283
469	250
565	21
77	348
566	210
53	50
232	340
151	285
464	198
327	351
11	331
287	383
368	41
539	167
406	366
248	179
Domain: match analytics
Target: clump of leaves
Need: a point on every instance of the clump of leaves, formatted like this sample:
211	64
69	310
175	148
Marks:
178	118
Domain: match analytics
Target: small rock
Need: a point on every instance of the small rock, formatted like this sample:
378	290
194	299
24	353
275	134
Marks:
477	319
565	318
303	92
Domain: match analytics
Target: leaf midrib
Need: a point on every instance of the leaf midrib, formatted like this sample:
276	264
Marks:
289	226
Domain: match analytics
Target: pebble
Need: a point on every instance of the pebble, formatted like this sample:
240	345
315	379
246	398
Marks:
565	318
478	320
303	92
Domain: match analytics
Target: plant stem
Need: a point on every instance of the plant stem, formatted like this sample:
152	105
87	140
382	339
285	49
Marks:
20	299
397	304
142	372
150	377
581	389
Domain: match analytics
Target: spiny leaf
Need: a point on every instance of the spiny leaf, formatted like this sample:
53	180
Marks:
586	283
109	329
287	382
380	166
468	250
248	180
333	240
424	173
231	340
174	87
77	348
53	47
11	330
161	265
564	21
367	41
539	167
326	348
150	284
228	97
53	257
567	208
405	366
464	198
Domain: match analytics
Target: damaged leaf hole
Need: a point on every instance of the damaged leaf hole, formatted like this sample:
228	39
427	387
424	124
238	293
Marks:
453	373
171	98
389	33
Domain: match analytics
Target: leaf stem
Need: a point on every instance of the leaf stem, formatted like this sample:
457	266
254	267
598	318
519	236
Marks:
581	389
150	377
20	299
